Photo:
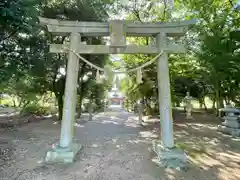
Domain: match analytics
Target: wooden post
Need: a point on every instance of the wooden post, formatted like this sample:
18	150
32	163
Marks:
165	106
69	107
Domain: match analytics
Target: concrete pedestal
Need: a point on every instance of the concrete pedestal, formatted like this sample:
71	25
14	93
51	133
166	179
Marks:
169	158
63	155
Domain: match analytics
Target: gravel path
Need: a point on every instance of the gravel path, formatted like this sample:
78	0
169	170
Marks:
115	148
112	150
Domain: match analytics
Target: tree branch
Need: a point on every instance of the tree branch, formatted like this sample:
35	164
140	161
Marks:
10	35
164	10
230	1
136	13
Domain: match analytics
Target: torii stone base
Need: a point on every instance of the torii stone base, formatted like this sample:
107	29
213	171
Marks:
63	155
174	158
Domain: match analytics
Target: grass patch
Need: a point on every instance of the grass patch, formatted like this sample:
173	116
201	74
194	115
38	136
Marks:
192	151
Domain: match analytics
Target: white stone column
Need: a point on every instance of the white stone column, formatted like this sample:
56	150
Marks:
165	105
69	107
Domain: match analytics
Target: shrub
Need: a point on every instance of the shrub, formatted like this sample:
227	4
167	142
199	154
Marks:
34	109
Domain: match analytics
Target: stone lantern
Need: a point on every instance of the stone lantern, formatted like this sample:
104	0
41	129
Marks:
231	121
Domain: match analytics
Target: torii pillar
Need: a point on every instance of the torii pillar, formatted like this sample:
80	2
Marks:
66	150
168	155
164	95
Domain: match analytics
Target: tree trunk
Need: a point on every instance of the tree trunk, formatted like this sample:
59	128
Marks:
60	106
24	104
14	103
80	90
20	103
1	98
201	102
214	104
79	113
148	108
205	106
227	100
90	110
59	88
219	102
219	98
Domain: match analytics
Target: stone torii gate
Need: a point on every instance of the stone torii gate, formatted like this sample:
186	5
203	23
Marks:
118	31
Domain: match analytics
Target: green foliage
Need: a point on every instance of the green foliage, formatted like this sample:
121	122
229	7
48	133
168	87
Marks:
192	151
27	69
35	109
218	53
17	16
210	68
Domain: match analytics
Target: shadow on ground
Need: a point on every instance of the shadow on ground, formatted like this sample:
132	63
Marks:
117	147
211	154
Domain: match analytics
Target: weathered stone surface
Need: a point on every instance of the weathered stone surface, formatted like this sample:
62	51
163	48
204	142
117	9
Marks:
91	29
117	33
164	96
230	110
169	158
231	124
69	105
64	155
228	130
233	118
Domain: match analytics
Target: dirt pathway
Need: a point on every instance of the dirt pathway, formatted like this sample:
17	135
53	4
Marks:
115	148
112	150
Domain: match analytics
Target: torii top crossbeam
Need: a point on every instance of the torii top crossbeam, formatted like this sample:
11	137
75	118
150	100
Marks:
118	30
131	28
